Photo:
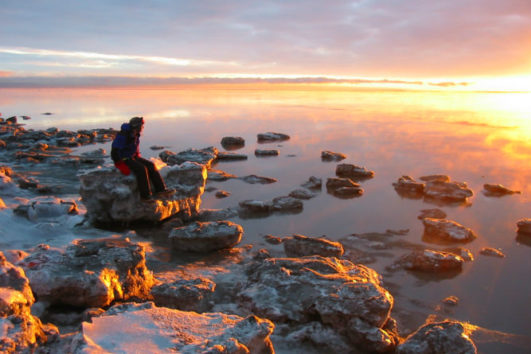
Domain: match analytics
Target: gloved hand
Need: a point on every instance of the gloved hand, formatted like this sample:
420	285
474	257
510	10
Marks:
123	168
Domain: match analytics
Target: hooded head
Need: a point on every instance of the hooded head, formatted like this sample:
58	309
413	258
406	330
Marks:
136	122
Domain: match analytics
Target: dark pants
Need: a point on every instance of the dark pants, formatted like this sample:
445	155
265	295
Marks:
145	173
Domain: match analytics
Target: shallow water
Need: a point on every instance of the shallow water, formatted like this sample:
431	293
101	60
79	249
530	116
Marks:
473	137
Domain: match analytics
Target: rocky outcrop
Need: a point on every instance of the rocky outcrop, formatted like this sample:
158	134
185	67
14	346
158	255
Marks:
443	230
186	295
271	137
129	327
327	155
354	172
232	142
111	197
202	156
206	236
300	246
439	337
430	261
345	297
497	190
89	273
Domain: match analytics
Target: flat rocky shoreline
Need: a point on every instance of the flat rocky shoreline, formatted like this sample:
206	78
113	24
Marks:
111	293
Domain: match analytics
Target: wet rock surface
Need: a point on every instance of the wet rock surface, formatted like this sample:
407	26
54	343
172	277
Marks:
300	246
432	213
230	156
434	188
186	295
524	226
327	155
431	261
271	137
491	252
343	187
163	330
266	153
357	173
232	142
202	156
497	190
254	179
443	230
259	208
206	236
313	183
89	273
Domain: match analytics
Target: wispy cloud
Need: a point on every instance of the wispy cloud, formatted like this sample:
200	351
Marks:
5	73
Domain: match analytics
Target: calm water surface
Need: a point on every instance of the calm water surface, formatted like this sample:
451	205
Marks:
472	137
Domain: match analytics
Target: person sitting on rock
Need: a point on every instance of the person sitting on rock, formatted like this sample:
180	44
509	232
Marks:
126	156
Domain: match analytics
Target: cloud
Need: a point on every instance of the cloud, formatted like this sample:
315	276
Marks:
5	73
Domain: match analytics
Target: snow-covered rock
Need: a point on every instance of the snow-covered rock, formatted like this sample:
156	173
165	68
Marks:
40	208
271	137
430	261
354	172
446	231
187	295
345	297
497	190
439	337
132	327
206	236
89	273
111	197
203	156
327	155
300	246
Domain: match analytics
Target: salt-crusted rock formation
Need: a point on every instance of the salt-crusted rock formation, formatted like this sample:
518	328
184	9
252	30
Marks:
131	327
206	236
430	261
111	197
444	230
186	295
407	187
313	183
354	172
327	155
253	179
345	297
300	246
89	273
203	156
343	187
271	137
439	337
497	190
432	213
20	330
524	226
265	153
46	207
232	142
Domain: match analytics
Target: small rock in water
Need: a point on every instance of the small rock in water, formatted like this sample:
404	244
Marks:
271	137
26	117
219	175
253	179
301	194
446	231
206	236
47	113
265	153
497	190
431	261
524	226
273	240
493	252
157	147
313	183
230	156
332	156
435	178
232	142
187	295
451	300
301	246
407	187
343	187
464	253
432	213
222	194
354	172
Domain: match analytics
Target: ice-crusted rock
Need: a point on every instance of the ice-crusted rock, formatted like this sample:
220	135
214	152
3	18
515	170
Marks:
430	261
464	253
448	191
216	214
255	206
492	252
300	246
439	337
7	185
283	204
187	295
253	179
129	327
407	187
354	172
232	142
286	204
111	197
95	156
203	156
40	208
327	155
20	330
432	213
497	190
524	226
89	273
313	183
298	290
218	175
301	194
271	137
446	231
269	152
343	187
206	236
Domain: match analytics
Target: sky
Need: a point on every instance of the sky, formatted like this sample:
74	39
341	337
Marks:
451	43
